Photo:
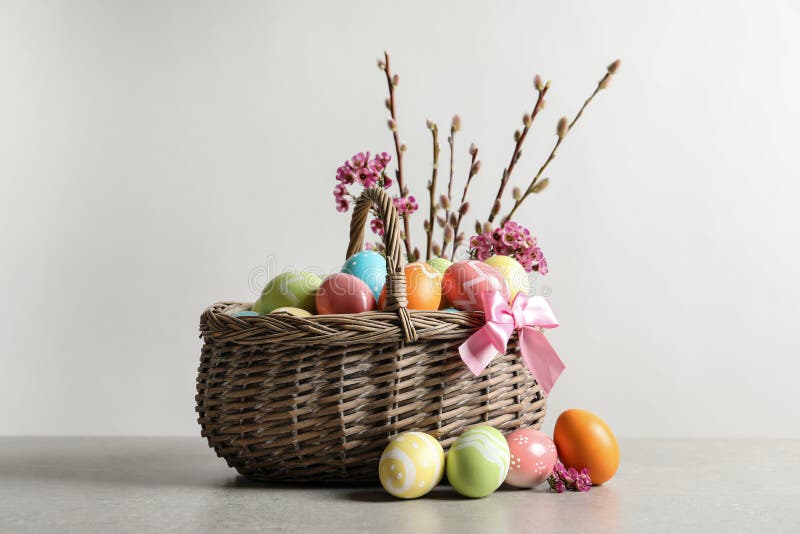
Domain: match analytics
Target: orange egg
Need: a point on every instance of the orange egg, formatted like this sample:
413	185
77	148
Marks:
584	440
423	287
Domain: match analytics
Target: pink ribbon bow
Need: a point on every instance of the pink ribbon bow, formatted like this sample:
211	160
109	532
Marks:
527	315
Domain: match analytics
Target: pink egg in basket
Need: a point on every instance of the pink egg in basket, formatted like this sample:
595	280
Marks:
344	293
464	282
533	456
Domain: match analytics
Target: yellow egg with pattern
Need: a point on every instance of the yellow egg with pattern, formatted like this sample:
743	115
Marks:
411	465
513	272
297	312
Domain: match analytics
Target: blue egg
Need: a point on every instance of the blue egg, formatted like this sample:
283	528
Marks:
246	313
370	268
449	309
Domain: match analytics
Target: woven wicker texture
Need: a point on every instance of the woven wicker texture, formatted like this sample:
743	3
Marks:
318	398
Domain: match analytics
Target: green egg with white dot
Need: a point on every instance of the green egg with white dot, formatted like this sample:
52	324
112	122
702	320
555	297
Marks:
293	289
478	461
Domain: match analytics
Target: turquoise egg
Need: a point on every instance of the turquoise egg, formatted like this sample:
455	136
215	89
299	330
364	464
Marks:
449	309
245	313
370	268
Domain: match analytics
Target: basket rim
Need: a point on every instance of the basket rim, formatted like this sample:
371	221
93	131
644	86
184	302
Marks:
218	322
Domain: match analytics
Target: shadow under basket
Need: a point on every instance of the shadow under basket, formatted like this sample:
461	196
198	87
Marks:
310	399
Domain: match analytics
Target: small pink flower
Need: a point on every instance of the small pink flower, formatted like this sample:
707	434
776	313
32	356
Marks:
513	240
542	267
360	160
376	225
361	170
340	195
376	247
345	175
583	481
381	160
509	238
563	479
369	178
405	205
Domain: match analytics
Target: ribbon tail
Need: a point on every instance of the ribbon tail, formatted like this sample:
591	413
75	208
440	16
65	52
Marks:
478	350
540	357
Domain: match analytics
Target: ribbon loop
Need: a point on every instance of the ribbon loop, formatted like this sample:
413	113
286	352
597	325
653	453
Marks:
527	315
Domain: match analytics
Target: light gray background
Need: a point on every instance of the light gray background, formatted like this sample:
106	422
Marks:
158	156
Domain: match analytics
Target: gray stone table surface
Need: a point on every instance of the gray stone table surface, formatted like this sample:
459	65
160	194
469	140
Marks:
178	485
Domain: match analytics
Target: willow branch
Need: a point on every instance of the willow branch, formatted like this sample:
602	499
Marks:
463	207
392	81
520	139
454	127
563	128
432	189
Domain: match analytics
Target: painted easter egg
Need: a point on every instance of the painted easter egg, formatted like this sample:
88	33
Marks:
344	293
477	462
295	289
584	440
245	313
513	273
411	465
297	312
370	267
533	456
440	264
465	281
423	287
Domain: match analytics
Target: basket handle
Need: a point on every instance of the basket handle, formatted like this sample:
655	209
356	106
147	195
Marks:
395	277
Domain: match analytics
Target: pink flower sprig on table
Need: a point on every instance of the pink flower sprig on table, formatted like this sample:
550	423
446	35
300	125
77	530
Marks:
513	240
571	479
360	170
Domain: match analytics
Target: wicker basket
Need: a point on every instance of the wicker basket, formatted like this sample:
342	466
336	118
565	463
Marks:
317	399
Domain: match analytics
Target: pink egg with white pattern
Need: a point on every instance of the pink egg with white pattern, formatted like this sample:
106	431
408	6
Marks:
533	456
464	283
